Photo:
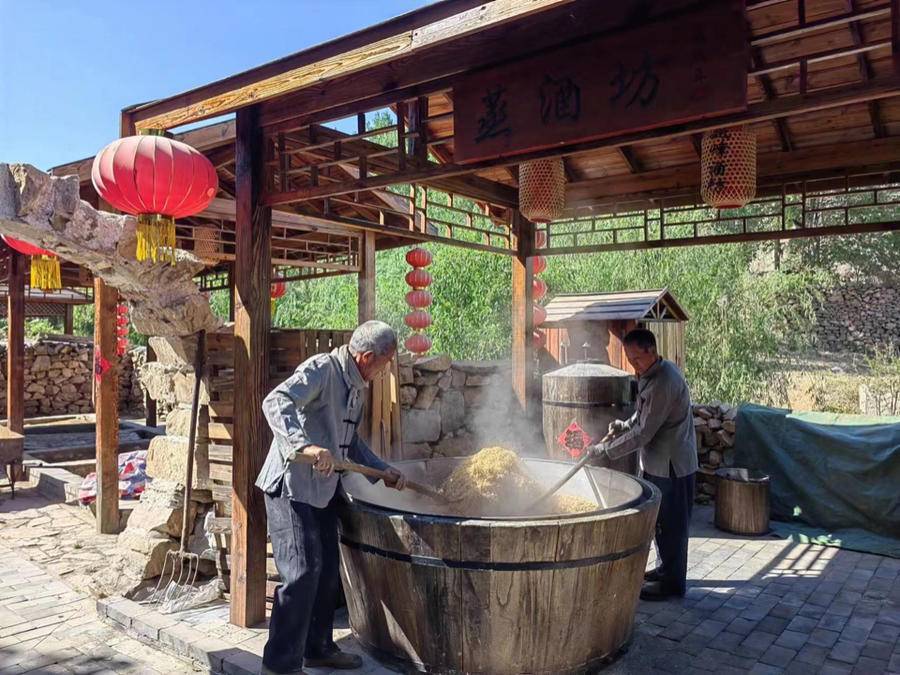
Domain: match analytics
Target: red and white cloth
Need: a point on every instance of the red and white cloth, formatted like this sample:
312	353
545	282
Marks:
132	478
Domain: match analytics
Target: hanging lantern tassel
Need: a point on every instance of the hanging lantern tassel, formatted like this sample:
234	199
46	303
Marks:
45	273
156	238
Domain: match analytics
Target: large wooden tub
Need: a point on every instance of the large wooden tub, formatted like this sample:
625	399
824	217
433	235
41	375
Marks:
446	594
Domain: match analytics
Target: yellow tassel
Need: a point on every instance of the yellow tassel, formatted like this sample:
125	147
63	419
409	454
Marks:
45	273
156	238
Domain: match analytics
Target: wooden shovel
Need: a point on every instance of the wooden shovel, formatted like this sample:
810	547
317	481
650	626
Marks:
378	473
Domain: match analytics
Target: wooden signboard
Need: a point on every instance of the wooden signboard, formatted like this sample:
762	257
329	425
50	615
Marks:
659	74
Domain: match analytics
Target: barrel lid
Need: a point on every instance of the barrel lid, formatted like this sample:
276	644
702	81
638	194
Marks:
586	369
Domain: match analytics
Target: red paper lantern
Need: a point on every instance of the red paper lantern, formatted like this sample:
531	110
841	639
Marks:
540	263
539	314
157	179
45	270
418	320
538	288
418	299
418	257
418	278
121	309
418	343
538	339
540	239
121	346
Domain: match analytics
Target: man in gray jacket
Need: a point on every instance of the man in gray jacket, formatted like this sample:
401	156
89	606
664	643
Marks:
315	412
662	428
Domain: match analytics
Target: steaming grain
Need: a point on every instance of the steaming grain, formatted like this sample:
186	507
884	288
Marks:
494	482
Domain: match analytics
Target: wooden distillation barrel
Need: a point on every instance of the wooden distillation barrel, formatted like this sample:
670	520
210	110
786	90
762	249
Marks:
586	396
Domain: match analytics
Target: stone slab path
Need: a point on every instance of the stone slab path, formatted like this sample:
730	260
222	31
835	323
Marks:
754	605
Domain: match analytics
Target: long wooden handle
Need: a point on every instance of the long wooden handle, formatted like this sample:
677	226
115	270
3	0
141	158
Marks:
565	479
375	473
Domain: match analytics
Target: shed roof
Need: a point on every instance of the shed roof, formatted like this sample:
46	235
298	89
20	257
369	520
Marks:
617	306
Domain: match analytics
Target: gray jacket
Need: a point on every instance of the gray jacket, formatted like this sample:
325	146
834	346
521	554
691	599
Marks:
662	426
320	404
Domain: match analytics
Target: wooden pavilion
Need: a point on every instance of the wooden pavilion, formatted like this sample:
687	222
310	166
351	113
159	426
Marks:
474	88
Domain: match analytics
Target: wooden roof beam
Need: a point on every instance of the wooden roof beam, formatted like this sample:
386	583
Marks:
865	73
781	128
875	156
628	156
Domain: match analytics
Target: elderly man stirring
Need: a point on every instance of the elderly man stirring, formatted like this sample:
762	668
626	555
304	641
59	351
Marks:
662	427
315	412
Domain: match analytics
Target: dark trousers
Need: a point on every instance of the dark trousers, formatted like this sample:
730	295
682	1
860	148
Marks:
672	526
305	545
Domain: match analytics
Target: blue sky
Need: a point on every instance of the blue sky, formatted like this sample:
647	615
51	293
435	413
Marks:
68	66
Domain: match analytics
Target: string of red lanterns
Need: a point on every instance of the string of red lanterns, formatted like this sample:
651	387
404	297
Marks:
277	290
121	329
418	299
45	270
539	290
157	179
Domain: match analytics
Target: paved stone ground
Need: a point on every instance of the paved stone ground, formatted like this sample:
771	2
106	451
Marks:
46	625
754	605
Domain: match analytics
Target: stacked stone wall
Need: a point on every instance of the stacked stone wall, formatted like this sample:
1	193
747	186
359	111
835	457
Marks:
859	319
59	378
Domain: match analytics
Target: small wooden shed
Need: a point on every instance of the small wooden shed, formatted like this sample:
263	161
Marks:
601	320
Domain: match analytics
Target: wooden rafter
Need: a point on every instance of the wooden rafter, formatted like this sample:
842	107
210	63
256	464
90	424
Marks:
781	128
865	73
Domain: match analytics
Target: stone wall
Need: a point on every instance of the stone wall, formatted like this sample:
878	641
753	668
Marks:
452	408
59	378
858	319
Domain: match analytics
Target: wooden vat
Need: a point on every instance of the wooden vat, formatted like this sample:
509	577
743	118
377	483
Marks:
590	395
444	594
742	501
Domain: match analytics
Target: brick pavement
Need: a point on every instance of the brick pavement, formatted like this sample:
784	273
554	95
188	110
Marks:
754	605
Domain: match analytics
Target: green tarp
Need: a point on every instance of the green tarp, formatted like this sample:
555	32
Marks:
835	479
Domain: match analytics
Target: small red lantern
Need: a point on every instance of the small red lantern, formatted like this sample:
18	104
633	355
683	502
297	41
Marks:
418	320
539	314
540	263
418	278
158	180
121	309
418	299
121	346
276	290
538	339
538	288
418	343
45	269
540	239
418	257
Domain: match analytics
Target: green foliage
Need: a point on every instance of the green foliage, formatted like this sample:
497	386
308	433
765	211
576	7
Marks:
860	257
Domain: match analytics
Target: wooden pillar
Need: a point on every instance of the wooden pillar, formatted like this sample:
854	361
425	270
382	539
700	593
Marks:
106	406
366	284
15	346
150	403
522	315
252	271
69	320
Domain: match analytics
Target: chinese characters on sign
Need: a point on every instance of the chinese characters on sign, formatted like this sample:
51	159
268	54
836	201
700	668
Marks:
641	83
493	122
617	84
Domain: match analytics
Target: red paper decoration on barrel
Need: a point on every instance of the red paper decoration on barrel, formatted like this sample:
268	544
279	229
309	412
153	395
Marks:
45	270
121	329
157	179
419	319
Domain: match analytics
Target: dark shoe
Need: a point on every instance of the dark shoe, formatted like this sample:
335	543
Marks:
653	575
336	659
655	592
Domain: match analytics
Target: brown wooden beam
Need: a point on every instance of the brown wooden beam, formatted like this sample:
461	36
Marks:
781	128
69	319
366	284
522	315
253	223
106	406
866	74
627	154
15	342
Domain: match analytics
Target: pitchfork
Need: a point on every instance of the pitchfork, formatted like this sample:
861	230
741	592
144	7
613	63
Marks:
187	564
